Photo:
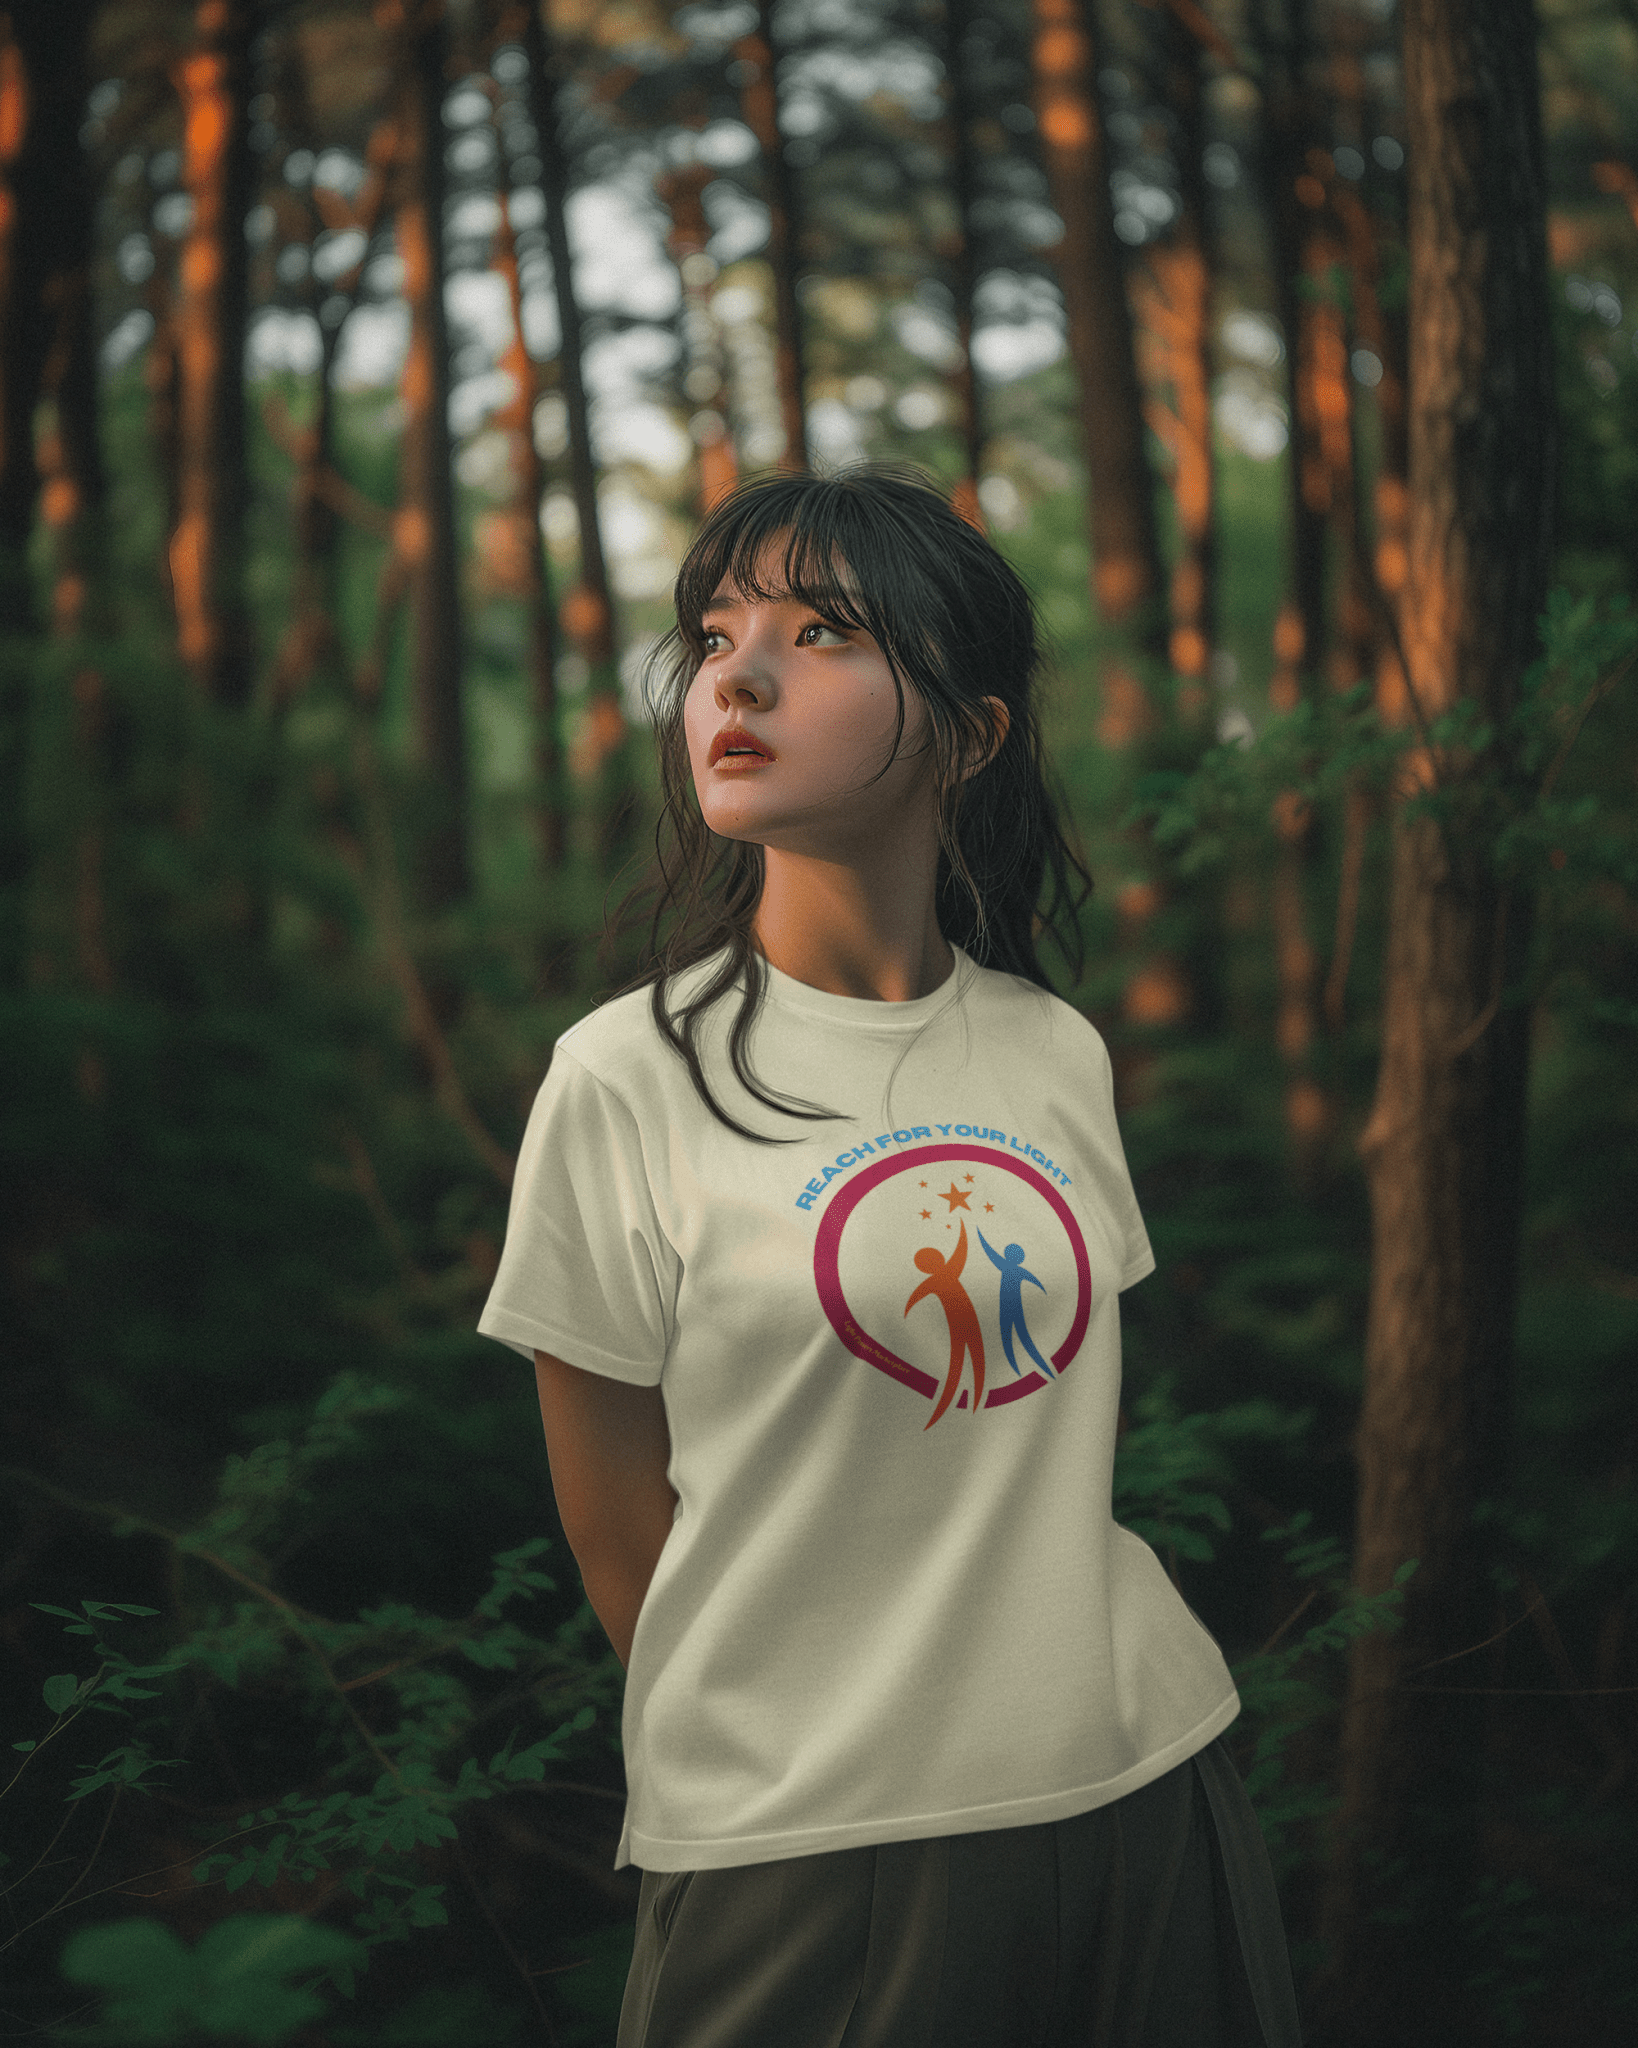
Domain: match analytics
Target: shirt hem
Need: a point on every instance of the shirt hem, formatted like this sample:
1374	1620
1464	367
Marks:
524	1335
1139	1269
653	1852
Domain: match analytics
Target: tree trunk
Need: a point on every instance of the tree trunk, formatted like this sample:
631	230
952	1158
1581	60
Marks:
318	497
1127	577
1443	1148
588	610
527	550
425	535
703	380
1377	562
962	258
45	312
207	547
1180	318
1287	123
759	54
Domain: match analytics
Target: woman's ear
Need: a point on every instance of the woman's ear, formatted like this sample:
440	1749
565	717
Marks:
999	720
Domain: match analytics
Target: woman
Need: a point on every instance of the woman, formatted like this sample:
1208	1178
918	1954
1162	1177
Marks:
920	1745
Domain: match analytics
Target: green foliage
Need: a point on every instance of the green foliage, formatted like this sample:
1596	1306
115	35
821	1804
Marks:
235	1985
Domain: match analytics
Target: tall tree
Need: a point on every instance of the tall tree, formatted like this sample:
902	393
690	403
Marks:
588	610
319	498
526	548
207	545
45	309
681	192
963	256
425	537
1443	1148
1127	574
1178	311
757	56
1281	33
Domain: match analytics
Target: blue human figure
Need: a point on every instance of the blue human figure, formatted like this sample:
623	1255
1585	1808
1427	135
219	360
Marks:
1014	1273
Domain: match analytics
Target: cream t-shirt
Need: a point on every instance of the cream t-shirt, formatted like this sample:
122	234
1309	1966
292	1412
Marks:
894	1602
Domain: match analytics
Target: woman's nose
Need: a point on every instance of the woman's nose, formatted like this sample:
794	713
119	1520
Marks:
744	684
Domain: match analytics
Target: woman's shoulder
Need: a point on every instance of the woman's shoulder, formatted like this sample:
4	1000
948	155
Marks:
620	1040
1033	1019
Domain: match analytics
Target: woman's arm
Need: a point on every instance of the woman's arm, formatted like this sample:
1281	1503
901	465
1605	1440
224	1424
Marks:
608	1447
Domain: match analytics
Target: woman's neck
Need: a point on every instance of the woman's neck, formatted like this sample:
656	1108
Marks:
852	930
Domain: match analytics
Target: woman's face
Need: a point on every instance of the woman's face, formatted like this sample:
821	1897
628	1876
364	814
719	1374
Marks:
791	723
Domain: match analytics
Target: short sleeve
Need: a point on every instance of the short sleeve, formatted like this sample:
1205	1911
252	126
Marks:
1114	1181
586	1273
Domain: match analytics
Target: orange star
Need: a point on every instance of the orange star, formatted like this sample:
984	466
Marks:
956	1197
967	1177
988	1206
925	1214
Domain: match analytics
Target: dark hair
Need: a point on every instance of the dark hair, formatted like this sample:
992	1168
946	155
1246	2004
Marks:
879	550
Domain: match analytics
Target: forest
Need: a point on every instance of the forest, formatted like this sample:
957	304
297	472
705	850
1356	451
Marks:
365	366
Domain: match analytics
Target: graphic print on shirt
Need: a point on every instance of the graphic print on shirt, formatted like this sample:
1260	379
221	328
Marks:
908	1289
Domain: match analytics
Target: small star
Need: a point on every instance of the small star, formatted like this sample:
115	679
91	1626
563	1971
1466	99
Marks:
988	1206
925	1214
967	1177
921	1183
956	1197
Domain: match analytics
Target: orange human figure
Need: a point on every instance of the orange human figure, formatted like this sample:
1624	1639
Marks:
944	1280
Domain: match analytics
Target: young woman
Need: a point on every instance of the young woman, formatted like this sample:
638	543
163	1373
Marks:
817	1242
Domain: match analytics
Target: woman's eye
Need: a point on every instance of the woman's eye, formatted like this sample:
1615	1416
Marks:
714	642
807	636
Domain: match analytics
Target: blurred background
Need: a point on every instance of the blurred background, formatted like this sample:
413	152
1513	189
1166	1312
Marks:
364	370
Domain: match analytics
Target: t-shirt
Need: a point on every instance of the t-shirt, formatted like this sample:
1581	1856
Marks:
894	1601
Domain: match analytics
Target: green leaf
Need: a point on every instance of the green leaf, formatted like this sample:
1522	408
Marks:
61	1692
235	1983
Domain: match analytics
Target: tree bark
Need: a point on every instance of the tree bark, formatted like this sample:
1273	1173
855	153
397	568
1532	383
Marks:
207	546
1443	1148
1127	576
759	105
1180	319
425	525
45	312
587	612
703	368
527	550
1287	133
963	258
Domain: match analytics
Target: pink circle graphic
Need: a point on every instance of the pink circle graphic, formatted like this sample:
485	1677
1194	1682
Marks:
827	1252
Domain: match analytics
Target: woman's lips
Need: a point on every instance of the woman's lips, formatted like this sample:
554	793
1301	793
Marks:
733	748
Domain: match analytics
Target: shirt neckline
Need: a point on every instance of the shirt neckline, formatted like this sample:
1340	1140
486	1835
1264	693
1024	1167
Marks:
785	992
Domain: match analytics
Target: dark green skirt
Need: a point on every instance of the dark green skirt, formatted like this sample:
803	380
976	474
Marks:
1148	1923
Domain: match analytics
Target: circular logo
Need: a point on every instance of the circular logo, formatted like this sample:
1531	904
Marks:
957	1270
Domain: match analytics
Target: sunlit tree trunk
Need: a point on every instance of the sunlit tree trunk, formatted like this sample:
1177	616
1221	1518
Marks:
1181	307
759	54
1443	1148
1378	559
1127	578
22	283
702	357
1319	457
587	611
51	466
46	345
526	556
207	547
963	262
425	537
1280	29
319	500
